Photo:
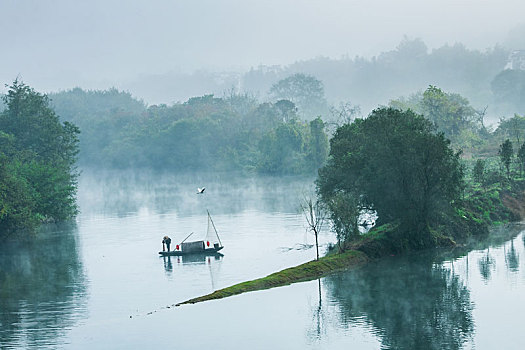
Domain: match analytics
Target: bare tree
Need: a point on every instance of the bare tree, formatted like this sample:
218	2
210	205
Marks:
344	114
479	116
315	217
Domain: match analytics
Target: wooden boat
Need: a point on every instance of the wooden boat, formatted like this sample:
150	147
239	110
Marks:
209	246
205	252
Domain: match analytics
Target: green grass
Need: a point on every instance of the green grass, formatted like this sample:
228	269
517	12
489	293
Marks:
305	272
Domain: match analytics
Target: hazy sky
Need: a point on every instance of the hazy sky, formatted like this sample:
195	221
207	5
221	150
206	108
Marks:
58	44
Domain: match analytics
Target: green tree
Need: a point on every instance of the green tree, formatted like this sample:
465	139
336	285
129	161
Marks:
282	149
478	172
513	128
395	163
303	90
17	199
344	208
319	146
287	110
38	153
521	157
452	113
505	154
36	127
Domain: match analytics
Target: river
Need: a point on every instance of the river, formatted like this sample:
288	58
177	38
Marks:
98	283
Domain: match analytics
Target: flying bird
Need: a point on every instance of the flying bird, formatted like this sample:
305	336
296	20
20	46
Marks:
200	190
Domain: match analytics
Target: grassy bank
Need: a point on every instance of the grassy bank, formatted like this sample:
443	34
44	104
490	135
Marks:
305	272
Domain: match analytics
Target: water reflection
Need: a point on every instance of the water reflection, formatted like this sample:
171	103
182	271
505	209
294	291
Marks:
319	318
42	288
422	301
412	302
168	266
512	258
200	258
487	264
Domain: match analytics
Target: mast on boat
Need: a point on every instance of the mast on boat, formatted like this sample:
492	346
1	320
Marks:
214	229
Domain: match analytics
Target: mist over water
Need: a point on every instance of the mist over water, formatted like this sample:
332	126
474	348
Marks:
102	285
124	193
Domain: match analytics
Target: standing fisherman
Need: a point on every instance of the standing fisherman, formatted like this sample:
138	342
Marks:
166	241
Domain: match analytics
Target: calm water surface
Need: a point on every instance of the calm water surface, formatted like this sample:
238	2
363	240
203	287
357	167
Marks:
99	283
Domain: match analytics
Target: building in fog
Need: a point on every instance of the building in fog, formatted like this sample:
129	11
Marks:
516	60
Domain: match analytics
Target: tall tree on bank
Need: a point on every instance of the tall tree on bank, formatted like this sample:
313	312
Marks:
521	157
505	154
395	163
38	153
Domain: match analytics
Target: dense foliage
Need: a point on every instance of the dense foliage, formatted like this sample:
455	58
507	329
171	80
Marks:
395	163
451	113
37	162
234	133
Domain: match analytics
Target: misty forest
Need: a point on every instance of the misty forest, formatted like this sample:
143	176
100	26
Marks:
391	186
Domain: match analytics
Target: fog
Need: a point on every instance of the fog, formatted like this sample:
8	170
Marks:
60	44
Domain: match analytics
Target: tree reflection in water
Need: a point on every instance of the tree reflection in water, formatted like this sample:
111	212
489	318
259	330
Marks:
512	258
411	301
42	288
319	318
487	264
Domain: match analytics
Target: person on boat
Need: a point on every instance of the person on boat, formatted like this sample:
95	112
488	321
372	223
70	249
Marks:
166	241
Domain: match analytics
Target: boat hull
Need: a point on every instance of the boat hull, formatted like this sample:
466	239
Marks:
209	251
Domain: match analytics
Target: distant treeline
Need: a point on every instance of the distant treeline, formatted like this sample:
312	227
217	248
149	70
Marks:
239	133
410	67
234	133
368	82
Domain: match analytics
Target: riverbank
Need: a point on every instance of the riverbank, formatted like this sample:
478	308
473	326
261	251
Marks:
481	209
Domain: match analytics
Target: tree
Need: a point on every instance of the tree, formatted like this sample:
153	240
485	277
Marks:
344	209
395	163
38	178
478	172
344	114
505	155
512	128
521	157
36	128
281	149
452	113
17	199
287	110
315	216
319	145
305	91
